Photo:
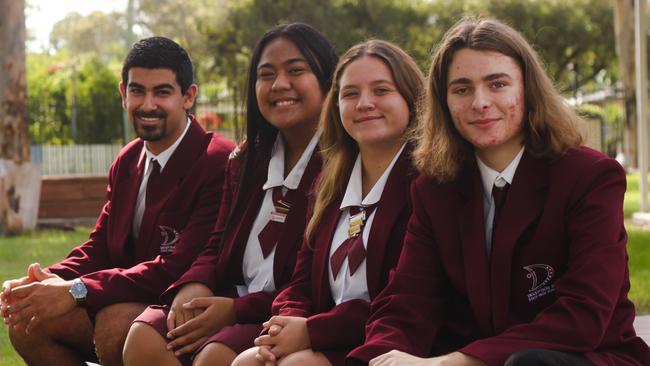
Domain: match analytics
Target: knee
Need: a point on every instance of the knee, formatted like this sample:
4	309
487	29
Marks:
112	326
24	342
529	357
296	359
140	342
215	354
247	358
304	357
19	339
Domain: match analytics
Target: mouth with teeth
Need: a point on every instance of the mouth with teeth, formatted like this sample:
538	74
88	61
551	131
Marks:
149	118
284	102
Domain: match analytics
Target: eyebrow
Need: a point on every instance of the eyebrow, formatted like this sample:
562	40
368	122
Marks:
495	76
375	82
157	87
287	62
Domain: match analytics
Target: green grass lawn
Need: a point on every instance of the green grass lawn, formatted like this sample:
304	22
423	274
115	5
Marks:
17	252
50	246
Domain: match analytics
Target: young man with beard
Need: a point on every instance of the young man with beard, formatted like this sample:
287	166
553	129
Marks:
163	195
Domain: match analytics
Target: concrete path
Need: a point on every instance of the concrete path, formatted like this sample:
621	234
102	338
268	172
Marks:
642	327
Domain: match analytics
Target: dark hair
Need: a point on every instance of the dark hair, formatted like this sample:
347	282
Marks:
260	134
320	55
160	53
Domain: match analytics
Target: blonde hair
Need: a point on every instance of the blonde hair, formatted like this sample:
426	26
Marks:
338	149
550	126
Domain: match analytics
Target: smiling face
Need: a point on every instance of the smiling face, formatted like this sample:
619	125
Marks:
155	106
485	97
287	91
373	111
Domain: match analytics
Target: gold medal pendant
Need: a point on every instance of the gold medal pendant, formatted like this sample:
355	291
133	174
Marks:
356	224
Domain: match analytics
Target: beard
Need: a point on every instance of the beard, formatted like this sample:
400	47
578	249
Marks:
150	132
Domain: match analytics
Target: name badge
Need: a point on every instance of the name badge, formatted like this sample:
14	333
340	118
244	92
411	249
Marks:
278	217
281	210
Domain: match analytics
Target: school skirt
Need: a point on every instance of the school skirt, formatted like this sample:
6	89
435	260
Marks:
237	337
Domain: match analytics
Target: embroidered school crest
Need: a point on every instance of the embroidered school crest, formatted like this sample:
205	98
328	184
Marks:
541	276
170	237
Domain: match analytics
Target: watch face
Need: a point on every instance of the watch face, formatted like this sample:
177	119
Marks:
78	290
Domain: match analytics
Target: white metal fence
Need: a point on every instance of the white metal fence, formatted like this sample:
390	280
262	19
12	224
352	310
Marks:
82	159
74	159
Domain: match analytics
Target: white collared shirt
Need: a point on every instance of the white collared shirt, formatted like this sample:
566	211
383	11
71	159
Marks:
257	270
489	178
349	287
162	159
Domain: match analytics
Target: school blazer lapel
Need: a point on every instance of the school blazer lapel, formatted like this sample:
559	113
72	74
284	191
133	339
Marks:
474	248
123	198
392	203
524	203
294	227
321	262
231	257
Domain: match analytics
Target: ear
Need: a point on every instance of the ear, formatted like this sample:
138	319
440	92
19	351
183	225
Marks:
190	95
123	94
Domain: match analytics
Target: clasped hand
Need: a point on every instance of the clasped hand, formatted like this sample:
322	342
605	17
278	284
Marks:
27	301
213	314
286	335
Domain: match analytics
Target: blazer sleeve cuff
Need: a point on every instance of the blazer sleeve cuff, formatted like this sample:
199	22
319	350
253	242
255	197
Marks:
254	307
168	295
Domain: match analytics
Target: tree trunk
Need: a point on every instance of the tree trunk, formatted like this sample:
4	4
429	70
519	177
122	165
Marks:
19	180
624	29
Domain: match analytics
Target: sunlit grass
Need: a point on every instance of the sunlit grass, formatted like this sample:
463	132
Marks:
17	252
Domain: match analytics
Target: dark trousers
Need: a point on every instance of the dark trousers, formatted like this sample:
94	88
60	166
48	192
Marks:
544	357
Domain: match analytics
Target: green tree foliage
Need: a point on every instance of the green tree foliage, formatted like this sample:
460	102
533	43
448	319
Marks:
186	22
574	38
51	84
98	33
99	114
47	102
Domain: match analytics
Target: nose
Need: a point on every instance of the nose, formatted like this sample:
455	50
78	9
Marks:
281	82
366	102
481	100
149	102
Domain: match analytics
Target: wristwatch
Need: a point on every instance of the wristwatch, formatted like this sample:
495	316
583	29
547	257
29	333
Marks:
78	291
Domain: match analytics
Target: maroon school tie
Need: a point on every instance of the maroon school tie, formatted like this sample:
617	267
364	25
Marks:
352	247
499	195
269	236
152	183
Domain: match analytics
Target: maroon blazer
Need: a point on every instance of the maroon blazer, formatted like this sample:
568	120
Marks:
114	267
557	277
309	294
220	264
